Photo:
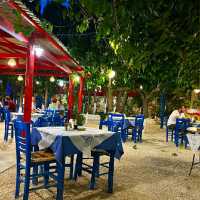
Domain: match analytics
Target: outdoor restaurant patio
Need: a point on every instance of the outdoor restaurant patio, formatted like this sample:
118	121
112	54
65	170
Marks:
152	170
119	121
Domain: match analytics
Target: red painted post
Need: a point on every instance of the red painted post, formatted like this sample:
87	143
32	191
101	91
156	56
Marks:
70	98
80	95
29	83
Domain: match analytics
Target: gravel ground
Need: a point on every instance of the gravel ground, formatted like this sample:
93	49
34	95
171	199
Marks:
152	170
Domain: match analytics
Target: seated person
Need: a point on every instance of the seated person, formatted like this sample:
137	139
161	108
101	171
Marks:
171	123
60	105
54	104
10	104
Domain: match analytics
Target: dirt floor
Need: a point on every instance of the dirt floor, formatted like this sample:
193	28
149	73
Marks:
152	170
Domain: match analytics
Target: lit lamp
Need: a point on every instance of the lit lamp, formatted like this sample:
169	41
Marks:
76	78
12	62
37	82
20	78
38	51
52	79
196	91
141	87
111	74
61	83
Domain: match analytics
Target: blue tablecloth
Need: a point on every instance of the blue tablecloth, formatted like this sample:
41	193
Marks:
63	146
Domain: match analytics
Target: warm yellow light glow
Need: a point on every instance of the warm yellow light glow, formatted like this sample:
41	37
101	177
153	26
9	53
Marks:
111	74
38	51
196	91
20	78
37	82
12	62
76	78
52	79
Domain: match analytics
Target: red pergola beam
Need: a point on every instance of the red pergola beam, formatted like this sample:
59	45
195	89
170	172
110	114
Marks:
12	55
13	46
39	28
9	73
37	67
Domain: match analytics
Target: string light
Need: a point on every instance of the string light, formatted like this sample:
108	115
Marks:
52	79
20	78
12	62
38	51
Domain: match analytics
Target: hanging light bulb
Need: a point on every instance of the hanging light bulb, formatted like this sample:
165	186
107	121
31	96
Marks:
38	51
61	83
37	82
141	87
12	62
196	91
20	78
111	74
52	79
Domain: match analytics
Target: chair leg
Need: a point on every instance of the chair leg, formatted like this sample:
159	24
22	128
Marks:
176	136
78	166
94	171
134	135
192	165
26	183
17	188
6	133
167	133
46	174
35	172
71	167
12	130
111	173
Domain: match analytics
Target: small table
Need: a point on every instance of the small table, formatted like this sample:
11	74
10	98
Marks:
66	143
194	142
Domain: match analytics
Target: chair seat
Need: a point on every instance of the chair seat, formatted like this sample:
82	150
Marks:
42	156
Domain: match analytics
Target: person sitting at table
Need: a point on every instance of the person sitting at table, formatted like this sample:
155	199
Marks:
60	105
171	123
54	104
10	104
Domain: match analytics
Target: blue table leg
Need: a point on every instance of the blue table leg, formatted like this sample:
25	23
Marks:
94	171
111	173
60	180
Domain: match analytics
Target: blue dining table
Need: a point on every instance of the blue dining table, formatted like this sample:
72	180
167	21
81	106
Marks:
66	143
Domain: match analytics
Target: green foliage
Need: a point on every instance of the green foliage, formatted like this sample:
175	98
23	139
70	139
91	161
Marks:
19	26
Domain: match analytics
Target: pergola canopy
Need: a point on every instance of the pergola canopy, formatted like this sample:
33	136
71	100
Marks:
55	60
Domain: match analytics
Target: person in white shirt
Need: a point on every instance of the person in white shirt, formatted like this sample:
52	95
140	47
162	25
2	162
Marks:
174	115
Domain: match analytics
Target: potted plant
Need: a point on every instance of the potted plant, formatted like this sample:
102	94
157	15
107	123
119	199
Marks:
80	120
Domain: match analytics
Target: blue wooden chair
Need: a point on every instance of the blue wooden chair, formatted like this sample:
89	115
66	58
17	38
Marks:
116	123
138	128
57	120
181	131
41	122
96	166
8	128
29	161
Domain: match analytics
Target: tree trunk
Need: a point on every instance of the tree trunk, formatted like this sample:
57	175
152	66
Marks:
124	101
145	105
109	97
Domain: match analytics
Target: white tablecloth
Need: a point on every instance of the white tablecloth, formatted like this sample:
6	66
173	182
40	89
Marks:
194	141
34	116
85	141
